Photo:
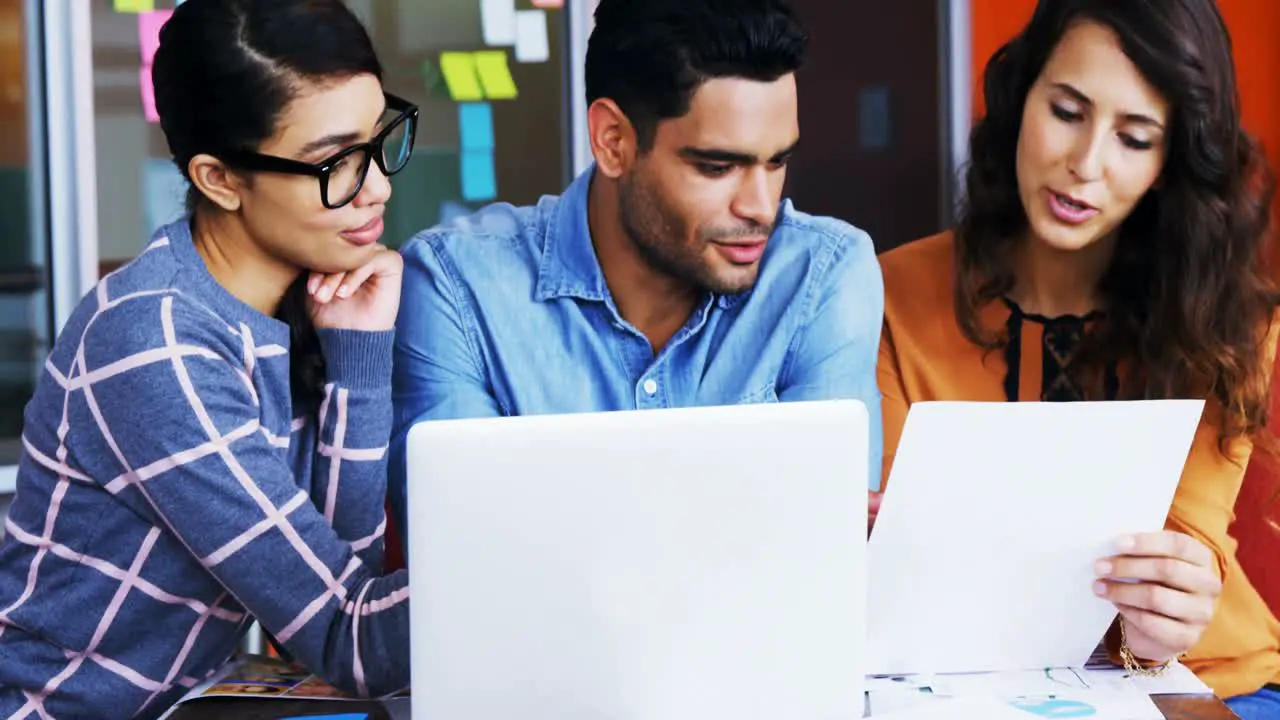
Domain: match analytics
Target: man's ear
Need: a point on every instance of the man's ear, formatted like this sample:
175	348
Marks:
613	138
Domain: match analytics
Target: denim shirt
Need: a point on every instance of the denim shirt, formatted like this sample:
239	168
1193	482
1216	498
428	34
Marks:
506	312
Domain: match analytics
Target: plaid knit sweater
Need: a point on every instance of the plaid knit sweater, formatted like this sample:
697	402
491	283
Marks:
167	496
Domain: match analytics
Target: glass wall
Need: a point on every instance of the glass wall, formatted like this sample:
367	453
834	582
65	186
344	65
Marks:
25	324
99	179
140	189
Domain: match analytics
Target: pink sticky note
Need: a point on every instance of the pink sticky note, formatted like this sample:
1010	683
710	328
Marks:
149	24
548	3
148	94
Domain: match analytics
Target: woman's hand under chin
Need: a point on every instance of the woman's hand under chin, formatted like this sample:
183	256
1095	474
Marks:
366	298
1165	585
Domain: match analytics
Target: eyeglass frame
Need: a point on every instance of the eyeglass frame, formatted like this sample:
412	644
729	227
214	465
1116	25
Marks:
260	162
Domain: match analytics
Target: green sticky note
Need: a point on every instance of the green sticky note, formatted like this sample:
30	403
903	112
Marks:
432	79
135	6
459	70
495	75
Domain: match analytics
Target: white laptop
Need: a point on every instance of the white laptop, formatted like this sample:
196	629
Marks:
651	565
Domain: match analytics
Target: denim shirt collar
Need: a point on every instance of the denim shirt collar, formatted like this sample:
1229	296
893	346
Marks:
569	266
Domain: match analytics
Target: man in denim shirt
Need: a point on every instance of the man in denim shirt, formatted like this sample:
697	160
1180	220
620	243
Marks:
670	274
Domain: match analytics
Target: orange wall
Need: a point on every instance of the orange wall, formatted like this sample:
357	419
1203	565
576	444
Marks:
1254	27
13	103
993	22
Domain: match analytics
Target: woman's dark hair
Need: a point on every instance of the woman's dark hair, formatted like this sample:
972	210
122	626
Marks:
223	74
1188	297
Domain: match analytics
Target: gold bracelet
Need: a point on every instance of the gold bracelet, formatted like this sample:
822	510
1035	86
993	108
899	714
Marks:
1131	664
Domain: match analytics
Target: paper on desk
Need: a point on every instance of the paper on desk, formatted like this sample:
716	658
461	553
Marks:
1177	679
1059	692
1096	704
983	550
986	708
1053	693
1050	682
883	702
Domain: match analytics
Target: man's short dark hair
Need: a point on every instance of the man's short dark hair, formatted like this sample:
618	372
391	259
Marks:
650	56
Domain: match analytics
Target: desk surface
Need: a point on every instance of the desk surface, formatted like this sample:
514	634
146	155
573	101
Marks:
249	709
1193	707
1174	707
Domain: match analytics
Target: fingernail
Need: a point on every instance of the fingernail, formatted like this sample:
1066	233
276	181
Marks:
1125	542
344	291
1100	589
311	286
1102	568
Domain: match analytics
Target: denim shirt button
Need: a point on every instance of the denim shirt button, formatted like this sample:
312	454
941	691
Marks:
650	386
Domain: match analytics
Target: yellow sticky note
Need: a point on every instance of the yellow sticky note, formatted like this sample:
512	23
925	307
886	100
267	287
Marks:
495	75
135	6
459	70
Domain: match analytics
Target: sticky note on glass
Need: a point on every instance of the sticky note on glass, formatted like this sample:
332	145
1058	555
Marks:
479	181
548	3
531	36
432	78
149	24
498	21
495	75
459	70
164	193
475	126
134	6
148	94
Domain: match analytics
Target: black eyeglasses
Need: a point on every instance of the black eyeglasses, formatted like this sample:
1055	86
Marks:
342	175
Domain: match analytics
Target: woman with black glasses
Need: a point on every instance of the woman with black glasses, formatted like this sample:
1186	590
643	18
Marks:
206	445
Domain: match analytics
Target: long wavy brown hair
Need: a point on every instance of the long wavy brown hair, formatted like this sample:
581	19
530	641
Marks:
1188	299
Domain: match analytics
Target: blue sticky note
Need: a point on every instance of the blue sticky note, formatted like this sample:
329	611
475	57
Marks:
345	716
164	193
478	179
475	126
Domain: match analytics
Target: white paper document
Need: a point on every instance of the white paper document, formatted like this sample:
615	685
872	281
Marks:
1098	705
948	708
983	551
1058	692
1177	679
1050	681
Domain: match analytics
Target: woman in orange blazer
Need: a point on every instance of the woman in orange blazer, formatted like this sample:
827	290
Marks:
1108	248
